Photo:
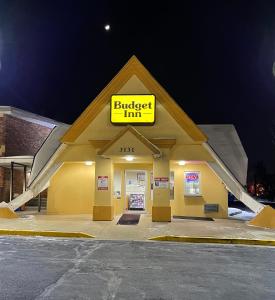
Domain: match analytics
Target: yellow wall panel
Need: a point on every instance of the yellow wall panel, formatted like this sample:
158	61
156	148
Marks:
77	153
212	189
71	189
190	152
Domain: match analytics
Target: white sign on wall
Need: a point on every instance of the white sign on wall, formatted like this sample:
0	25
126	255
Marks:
161	182
102	183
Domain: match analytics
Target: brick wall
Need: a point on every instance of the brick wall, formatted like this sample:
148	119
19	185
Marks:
2	153
19	137
2	130
23	137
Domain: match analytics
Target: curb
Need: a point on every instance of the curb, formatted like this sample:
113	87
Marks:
45	233
211	240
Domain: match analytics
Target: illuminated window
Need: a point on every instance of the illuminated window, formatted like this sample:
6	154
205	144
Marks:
117	184
172	185
192	184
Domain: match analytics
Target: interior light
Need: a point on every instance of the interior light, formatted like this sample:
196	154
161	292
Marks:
88	163
182	163
129	158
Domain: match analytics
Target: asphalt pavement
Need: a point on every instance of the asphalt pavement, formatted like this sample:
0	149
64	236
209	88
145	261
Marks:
57	268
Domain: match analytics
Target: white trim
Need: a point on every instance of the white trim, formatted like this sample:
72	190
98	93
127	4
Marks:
232	184
221	164
49	164
6	161
41	182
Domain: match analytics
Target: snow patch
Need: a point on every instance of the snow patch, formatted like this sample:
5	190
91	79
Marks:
238	214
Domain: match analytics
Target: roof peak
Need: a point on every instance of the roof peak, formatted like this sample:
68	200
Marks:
133	67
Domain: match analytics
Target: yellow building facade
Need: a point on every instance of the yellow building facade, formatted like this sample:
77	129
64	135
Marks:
134	149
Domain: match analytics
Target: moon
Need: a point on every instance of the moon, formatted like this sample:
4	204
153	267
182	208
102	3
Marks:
107	27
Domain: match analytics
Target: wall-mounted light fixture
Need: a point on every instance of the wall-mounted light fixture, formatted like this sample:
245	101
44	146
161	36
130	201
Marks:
129	158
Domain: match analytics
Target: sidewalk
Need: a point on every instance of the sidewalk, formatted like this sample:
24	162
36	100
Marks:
106	230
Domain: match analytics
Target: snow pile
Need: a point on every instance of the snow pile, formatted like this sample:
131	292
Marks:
232	211
238	214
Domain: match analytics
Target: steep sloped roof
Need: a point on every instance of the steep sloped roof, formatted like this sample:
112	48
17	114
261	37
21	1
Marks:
225	141
133	67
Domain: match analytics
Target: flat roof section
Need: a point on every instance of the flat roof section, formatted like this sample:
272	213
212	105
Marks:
29	116
24	160
225	141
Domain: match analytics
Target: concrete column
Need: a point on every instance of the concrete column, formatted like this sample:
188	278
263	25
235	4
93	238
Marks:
161	210
103	206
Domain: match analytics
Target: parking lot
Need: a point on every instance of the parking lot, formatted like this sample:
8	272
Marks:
52	268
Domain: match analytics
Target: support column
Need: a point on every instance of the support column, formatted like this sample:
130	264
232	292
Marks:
161	210
11	181
39	202
103	206
25	178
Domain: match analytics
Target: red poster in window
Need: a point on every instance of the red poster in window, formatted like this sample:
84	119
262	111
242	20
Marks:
192	177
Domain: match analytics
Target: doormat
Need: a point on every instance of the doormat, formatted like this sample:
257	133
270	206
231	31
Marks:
194	218
128	219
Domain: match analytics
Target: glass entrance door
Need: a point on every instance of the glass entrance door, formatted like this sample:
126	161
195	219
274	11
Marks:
135	189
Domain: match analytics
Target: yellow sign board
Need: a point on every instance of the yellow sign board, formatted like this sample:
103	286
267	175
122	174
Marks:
133	109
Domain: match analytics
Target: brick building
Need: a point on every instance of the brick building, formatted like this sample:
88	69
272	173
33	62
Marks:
21	135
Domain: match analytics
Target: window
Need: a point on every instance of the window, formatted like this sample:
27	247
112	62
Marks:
117	184
172	185
192	184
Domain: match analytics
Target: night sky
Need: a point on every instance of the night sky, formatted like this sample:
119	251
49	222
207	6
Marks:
215	58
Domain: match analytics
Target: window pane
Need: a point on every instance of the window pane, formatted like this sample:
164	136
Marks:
172	184
192	183
117	184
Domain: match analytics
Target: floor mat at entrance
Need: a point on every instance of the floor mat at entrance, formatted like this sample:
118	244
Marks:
194	218
128	219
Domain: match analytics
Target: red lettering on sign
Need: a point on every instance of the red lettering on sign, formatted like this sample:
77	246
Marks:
192	177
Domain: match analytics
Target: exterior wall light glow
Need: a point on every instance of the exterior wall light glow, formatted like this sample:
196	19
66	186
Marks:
88	163
181	163
129	158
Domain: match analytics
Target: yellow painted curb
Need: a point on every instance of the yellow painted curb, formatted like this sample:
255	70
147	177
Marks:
188	239
45	233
